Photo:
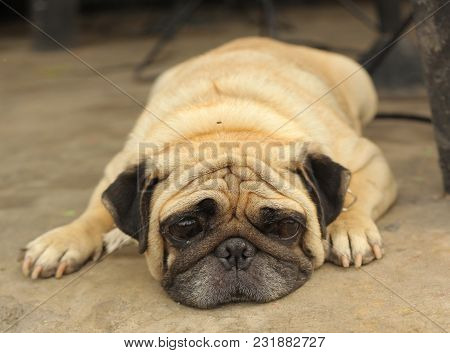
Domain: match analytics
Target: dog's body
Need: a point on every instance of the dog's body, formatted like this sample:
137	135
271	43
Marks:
251	93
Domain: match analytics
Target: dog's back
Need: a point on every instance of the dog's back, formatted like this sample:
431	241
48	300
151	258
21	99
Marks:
263	76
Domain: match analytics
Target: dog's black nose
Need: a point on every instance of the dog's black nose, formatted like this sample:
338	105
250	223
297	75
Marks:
235	252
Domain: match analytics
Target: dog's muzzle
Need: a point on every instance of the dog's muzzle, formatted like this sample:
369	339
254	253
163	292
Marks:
235	253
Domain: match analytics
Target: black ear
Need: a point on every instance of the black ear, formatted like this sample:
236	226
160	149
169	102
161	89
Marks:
128	201
327	183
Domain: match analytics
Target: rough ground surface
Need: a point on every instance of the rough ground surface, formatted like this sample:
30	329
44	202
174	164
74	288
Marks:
60	124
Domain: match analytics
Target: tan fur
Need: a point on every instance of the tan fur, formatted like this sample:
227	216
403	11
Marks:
251	89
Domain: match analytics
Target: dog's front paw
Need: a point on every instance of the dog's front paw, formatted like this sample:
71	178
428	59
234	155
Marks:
60	251
354	239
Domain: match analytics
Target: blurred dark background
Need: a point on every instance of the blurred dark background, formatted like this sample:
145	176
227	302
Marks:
86	22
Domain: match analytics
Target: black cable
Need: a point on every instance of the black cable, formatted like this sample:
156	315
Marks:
404	116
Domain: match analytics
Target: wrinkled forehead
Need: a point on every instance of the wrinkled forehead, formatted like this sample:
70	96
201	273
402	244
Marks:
233	188
202	158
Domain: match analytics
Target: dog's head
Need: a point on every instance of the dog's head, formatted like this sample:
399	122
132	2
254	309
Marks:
231	227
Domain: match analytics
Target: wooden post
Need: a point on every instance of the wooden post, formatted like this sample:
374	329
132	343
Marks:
434	40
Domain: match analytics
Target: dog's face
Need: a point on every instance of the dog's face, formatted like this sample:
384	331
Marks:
234	240
231	233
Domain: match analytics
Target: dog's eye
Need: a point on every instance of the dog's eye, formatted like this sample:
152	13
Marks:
186	228
288	228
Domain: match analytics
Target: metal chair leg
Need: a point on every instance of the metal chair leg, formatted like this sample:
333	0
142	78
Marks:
268	23
175	23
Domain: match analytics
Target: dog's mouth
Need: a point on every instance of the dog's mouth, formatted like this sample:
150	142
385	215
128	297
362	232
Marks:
230	275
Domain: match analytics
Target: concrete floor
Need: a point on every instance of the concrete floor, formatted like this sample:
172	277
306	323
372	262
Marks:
60	124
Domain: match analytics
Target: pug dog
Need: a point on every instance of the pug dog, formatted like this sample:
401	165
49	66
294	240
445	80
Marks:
245	172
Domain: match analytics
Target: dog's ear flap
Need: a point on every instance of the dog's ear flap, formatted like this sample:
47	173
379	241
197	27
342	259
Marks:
327	183
128	201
